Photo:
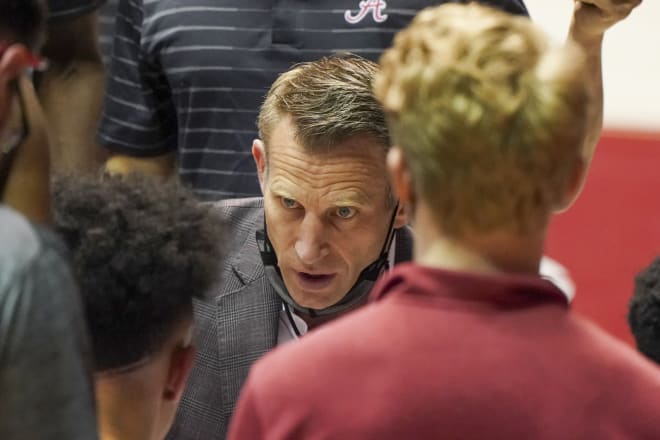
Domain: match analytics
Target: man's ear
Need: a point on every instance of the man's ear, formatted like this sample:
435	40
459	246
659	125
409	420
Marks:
401	219
259	155
573	186
181	362
400	181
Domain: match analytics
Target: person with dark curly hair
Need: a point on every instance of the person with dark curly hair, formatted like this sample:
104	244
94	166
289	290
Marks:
142	250
644	311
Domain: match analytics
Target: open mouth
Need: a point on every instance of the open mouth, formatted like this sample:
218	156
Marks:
315	280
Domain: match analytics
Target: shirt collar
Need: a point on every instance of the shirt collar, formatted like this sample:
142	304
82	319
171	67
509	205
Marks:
497	289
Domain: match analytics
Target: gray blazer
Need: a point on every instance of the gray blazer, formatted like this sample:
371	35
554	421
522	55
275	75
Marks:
235	324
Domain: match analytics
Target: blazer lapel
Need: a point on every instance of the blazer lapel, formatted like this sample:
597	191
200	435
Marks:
247	318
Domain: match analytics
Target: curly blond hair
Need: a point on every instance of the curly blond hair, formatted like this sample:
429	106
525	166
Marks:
490	118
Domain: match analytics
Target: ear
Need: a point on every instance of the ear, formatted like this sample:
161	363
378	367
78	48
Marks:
573	186
181	362
400	180
259	155
401	218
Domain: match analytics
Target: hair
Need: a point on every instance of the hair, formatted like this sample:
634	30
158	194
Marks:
490	120
329	101
644	311
22	21
141	250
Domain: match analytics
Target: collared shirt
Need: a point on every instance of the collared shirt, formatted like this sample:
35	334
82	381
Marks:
451	354
189	76
558	275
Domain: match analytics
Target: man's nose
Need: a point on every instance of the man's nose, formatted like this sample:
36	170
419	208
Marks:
311	246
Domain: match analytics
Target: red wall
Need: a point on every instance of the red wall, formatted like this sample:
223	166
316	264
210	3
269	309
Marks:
613	230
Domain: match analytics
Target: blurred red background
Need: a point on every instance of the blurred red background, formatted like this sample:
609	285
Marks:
613	229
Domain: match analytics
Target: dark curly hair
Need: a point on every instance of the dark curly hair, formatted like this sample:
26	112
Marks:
141	250
644	311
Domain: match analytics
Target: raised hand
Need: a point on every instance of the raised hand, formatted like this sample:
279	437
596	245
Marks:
591	18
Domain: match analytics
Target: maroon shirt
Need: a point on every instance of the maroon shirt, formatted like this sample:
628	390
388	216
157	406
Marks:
441	354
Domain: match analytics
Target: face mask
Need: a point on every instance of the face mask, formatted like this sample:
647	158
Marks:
360	289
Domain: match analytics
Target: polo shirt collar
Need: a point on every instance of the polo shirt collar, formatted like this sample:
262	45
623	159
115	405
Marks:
497	289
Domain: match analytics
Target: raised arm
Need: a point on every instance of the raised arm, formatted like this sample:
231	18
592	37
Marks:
591	18
71	92
27	185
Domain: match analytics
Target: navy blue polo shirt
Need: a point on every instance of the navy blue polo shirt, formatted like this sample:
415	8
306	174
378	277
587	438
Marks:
188	76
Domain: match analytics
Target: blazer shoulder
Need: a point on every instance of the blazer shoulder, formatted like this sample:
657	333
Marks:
241	219
239	208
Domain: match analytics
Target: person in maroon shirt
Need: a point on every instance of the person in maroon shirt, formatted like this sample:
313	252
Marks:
489	125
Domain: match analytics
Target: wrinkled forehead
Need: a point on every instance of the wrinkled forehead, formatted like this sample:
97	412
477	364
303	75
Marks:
355	150
351	173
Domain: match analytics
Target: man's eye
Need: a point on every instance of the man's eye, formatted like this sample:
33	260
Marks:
289	203
345	212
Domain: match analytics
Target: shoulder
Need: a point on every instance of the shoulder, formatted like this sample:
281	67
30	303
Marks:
241	218
27	250
36	282
243	203
240	213
20	241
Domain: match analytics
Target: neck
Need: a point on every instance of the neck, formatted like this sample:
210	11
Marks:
313	322
125	409
496	252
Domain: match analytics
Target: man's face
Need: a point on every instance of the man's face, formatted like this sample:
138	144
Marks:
327	213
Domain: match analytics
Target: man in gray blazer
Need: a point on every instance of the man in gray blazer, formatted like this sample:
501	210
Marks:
327	226
310	249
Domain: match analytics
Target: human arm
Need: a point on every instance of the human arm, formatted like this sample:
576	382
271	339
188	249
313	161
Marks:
138	124
591	18
158	166
71	91
27	185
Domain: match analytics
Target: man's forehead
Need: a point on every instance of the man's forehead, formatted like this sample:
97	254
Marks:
336	193
341	178
344	162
